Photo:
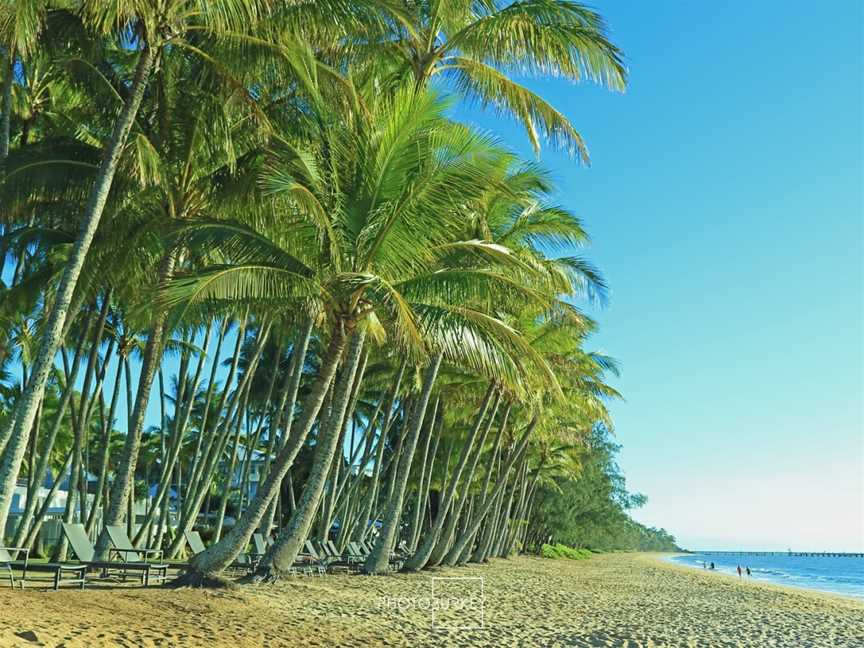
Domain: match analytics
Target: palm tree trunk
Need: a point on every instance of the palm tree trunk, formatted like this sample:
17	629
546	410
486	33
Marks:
8	72
200	480
283	553
22	422
33	533
45	457
426	482
124	476
182	411
286	409
515	455
201	468
503	528
206	565
366	511
229	476
208	398
422	555
379	560
107	425
446	540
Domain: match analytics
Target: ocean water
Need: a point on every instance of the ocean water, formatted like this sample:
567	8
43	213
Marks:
838	575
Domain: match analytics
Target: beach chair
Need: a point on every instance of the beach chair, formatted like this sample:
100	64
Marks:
364	548
193	539
125	549
333	558
353	553
303	565
130	557
244	561
57	570
317	560
260	544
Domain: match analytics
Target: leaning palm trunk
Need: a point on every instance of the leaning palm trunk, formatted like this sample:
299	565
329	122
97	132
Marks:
42	514
286	410
513	522
426	482
520	538
181	418
421	556
201	469
22	421
378	561
107	422
229	475
79	428
124	478
496	446
206	565
446	540
366	510
498	522
45	457
284	551
236	412
504	522
479	516
208	399
336	482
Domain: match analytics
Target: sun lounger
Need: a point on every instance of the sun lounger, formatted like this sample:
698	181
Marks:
314	559
353	553
328	552
304	564
364	548
193	539
123	546
57	570
86	553
196	544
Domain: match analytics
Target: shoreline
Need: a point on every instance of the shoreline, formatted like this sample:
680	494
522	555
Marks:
607	600
666	558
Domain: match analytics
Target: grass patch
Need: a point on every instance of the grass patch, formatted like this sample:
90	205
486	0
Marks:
558	551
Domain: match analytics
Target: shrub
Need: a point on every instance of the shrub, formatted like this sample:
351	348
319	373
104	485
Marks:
559	551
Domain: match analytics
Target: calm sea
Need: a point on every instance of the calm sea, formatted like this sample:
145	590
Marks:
843	575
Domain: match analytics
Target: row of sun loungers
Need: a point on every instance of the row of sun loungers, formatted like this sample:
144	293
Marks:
124	558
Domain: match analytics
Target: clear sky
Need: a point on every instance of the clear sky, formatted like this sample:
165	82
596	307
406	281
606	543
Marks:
725	204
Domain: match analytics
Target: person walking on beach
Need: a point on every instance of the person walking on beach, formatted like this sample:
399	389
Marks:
747	569
739	571
712	566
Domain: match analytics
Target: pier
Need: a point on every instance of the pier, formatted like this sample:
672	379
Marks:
815	554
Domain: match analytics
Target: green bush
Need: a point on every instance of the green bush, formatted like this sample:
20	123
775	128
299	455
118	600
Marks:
559	551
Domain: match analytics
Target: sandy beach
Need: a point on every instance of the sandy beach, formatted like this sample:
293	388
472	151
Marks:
609	600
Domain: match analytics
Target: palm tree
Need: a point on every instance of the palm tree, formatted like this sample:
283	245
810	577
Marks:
147	29
360	191
476	46
390	293
21	22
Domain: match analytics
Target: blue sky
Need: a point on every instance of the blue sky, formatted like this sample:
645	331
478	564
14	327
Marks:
725	205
